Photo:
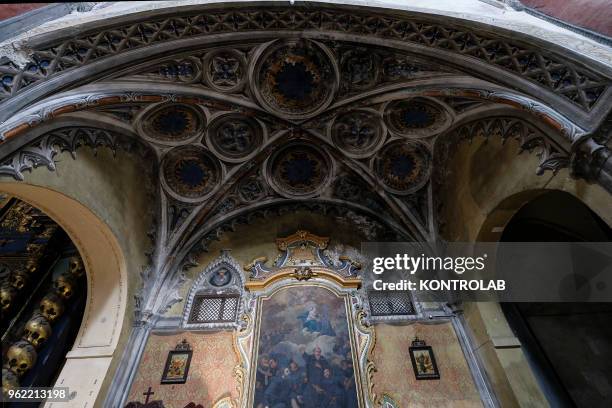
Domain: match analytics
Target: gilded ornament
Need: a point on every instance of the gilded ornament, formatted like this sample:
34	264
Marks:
7	296
37	330
21	357
9	381
19	218
51	307
304	273
261	260
75	266
64	285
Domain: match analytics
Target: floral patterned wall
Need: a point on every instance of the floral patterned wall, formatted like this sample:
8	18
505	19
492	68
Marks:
210	377
395	375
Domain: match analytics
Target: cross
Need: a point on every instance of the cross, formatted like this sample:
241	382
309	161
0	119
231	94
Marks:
148	394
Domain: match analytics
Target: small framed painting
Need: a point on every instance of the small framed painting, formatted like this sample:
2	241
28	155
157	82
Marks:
177	364
423	361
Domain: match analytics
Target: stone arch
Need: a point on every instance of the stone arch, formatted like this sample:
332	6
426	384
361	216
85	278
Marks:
89	360
493	226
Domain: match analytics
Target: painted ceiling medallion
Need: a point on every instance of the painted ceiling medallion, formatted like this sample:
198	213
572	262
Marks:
234	137
417	117
172	123
296	79
191	172
225	70
403	167
299	170
358	133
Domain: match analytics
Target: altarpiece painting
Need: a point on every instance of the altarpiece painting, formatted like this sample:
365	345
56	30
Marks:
304	352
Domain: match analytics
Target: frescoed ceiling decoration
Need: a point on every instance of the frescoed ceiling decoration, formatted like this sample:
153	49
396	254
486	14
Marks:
254	111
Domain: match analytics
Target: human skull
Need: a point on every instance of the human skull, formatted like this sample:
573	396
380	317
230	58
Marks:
37	330
21	357
32	266
75	266
19	278
51	306
9	381
7	295
64	285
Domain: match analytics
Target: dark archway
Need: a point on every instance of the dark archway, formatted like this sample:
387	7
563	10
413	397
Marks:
44	293
568	345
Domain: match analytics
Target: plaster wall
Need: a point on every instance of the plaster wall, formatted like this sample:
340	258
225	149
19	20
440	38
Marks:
114	189
394	375
210	377
487	184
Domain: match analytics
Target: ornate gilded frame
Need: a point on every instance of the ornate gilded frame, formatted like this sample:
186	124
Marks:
362	338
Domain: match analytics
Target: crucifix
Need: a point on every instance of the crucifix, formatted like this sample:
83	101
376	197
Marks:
148	395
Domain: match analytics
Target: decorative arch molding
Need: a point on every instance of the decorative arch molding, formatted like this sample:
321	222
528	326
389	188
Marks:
105	265
530	63
553	151
204	285
108	94
173	275
68	133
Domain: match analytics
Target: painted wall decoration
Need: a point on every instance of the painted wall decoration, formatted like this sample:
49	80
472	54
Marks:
210	379
304	357
394	375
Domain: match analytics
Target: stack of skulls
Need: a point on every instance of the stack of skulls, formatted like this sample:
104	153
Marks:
21	355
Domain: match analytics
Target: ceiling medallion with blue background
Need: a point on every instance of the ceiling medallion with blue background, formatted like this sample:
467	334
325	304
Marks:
358	133
417	117
191	172
299	170
296	79
171	123
234	137
403	166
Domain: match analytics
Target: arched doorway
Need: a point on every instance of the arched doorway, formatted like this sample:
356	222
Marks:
89	358
43	296
574	372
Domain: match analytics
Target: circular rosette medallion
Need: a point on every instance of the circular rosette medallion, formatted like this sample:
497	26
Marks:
417	117
190	172
171	123
358	133
296	79
234	137
403	167
299	170
225	70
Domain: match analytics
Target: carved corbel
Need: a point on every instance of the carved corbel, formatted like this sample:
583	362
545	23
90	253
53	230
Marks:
592	162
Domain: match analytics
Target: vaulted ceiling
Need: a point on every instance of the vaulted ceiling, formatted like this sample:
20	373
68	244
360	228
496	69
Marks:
248	111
